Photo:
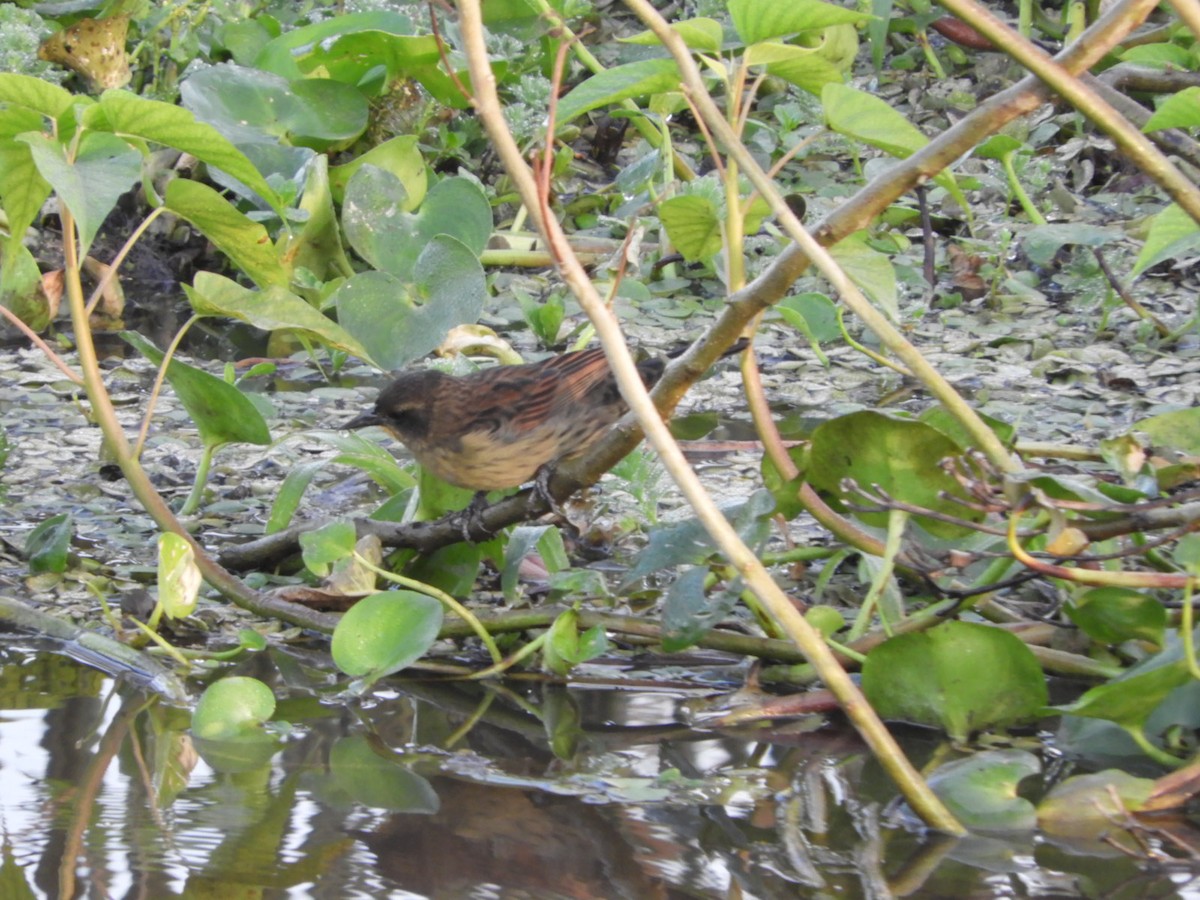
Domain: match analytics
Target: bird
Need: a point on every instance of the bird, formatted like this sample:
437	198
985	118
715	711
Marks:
504	426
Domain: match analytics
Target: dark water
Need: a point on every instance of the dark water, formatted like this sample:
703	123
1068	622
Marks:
455	790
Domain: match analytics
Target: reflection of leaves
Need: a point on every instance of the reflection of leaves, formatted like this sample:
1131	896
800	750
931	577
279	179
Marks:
981	790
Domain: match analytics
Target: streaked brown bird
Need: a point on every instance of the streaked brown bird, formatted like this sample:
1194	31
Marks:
498	427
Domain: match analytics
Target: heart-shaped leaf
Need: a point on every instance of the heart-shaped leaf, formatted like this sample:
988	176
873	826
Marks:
385	632
398	322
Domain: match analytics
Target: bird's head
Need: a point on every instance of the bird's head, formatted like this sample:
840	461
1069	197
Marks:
405	406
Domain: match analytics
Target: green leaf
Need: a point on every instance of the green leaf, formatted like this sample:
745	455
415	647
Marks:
566	648
232	707
1178	430
272	309
243	240
693	224
1112	615
298	52
291	491
392	240
401	156
23	190
981	790
869	119
811	313
385	632
252	106
1086	806
938	417
453	568
871	270
129	115
690	612
1042	242
688	542
220	411
763	20
806	67
701	34
1130	699
899	455
48	545
379	782
44	98
636	79
399	322
326	545
105	167
317	245
1173	233
178	575
959	676
1178	110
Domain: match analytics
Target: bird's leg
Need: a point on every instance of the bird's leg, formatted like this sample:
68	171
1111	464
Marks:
470	517
541	488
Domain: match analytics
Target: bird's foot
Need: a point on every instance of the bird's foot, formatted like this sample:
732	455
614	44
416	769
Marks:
541	489
470	519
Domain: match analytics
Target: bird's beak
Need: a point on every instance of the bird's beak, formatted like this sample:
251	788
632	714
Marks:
364	420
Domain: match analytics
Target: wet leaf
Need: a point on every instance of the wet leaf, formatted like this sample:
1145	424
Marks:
400	156
1084	806
384	633
232	707
960	676
981	790
178	576
49	544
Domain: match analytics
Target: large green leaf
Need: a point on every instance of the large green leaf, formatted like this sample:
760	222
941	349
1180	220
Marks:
764	20
271	309
232	707
693	224
221	412
398	321
1178	110
1173	234
23	190
316	247
379	782
392	240
1178	430
243	240
385	632
297	52
105	167
1112	615
129	115
960	676
806	67
869	119
401	156
636	79
47	99
899	455
251	106
701	34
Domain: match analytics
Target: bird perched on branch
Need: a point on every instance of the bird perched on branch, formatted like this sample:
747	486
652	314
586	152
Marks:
497	428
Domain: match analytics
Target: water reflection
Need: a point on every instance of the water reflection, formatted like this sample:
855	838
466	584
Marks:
454	790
